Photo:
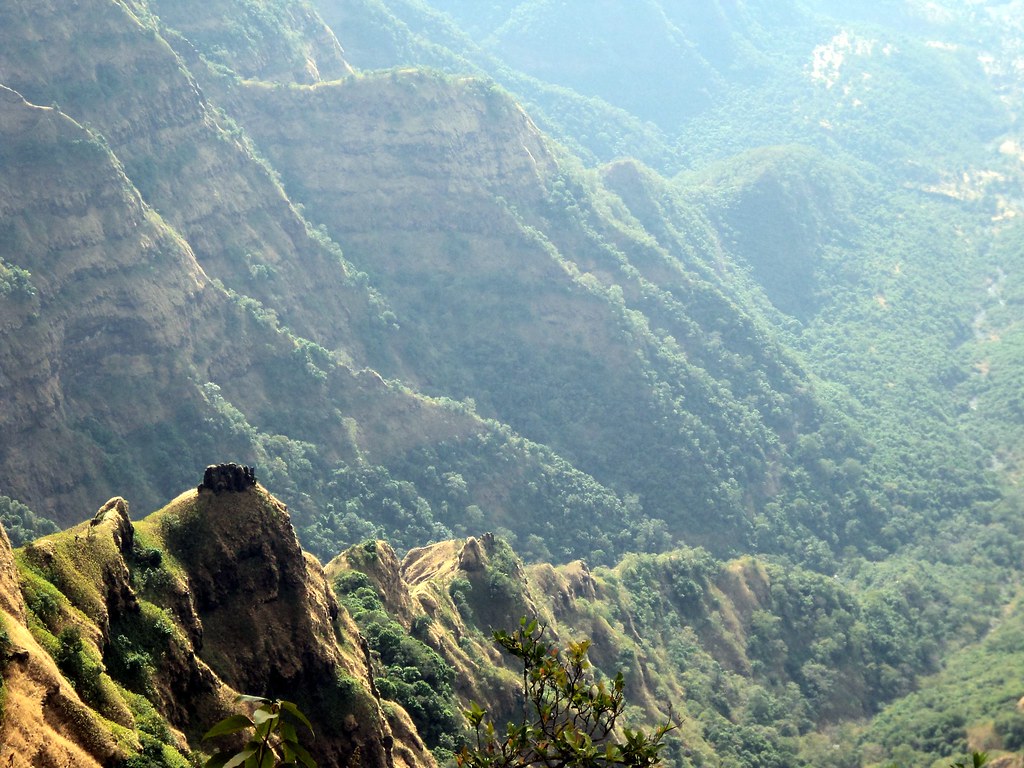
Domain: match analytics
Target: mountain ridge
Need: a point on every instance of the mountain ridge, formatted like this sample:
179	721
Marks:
212	594
157	615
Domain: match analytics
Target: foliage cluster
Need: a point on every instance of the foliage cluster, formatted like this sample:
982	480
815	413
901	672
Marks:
78	665
272	741
14	281
407	670
21	523
546	499
138	645
977	691
155	738
812	650
569	717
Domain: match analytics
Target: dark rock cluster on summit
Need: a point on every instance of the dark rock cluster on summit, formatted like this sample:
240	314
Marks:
224	478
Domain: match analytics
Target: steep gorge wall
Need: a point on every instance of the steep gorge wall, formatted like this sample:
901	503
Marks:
127	83
521	282
285	41
198	345
111	305
107	343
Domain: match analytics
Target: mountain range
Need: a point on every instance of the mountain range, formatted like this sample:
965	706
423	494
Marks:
702	317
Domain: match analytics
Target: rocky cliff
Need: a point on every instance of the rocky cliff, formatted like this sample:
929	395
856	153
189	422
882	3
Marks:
128	640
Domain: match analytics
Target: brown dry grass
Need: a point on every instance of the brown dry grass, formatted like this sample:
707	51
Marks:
36	733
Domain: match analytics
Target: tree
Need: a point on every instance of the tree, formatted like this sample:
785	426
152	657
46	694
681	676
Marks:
978	759
274	742
569	717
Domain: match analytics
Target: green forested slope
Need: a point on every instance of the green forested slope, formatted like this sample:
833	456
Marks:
127	367
751	284
763	663
532	290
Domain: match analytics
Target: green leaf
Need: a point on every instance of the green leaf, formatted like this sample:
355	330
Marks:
475	715
287	731
304	757
261	715
218	760
295	712
232	724
240	758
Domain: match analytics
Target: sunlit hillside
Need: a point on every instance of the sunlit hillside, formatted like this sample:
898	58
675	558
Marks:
689	327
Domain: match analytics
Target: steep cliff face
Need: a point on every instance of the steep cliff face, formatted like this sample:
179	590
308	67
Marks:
126	82
284	41
170	618
595	314
111	302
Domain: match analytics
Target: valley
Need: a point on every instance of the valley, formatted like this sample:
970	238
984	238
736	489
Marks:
689	328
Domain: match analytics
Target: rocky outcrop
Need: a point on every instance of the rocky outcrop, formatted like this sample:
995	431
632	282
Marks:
271	623
11	602
472	557
378	561
228	478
